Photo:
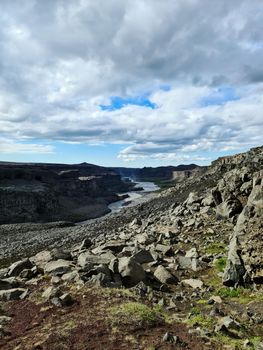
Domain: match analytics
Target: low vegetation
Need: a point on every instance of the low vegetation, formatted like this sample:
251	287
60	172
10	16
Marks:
137	314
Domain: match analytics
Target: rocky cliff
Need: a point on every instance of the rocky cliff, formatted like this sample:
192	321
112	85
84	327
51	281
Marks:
158	173
50	192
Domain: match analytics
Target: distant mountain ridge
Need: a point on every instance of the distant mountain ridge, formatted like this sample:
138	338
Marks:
152	173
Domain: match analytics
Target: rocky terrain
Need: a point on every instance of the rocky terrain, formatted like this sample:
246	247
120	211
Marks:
182	271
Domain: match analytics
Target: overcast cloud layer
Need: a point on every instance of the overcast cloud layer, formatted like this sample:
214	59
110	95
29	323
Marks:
199	63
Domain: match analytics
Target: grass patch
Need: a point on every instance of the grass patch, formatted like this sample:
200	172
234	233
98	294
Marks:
229	292
202	321
212	279
195	311
220	264
255	341
237	344
215	248
134	313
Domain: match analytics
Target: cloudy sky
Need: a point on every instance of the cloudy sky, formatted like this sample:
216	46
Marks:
133	83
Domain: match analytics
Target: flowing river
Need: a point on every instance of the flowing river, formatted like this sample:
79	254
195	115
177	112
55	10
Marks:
135	197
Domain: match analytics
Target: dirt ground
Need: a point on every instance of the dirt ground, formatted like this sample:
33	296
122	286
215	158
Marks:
87	325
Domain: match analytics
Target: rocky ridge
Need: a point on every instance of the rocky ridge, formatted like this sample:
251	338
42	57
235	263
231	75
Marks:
188	263
51	192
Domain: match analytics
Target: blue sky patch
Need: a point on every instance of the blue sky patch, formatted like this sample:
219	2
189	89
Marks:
220	97
118	102
165	87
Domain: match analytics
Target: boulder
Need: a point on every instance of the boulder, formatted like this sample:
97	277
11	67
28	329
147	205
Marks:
143	256
4	320
66	299
41	258
85	244
16	268
131	271
164	276
60	254
114	246
58	267
51	292
101	279
235	270
70	276
227	323
164	249
9	283
192	253
12	294
85	260
193	283
193	198
208	201
229	208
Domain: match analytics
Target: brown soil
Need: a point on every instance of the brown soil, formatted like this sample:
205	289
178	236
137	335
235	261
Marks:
87	325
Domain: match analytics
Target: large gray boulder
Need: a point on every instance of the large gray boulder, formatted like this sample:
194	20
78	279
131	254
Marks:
130	271
42	258
143	256
58	267
164	276
86	260
193	283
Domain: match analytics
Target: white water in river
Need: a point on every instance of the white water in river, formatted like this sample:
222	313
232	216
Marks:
135	197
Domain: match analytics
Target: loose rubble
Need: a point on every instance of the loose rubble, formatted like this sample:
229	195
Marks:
200	259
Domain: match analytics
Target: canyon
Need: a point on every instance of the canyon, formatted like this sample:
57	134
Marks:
183	270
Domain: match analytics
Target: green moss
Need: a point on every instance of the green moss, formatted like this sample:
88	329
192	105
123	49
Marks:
255	342
220	264
195	311
228	292
137	313
201	320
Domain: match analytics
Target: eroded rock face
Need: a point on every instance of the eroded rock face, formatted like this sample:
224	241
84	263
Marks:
245	250
52	192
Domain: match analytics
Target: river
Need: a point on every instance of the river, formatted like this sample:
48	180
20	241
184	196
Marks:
135	197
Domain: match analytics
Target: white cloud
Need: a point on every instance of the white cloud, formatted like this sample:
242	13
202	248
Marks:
9	147
59	60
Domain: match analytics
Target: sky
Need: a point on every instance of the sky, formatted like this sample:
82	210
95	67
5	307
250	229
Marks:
130	83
